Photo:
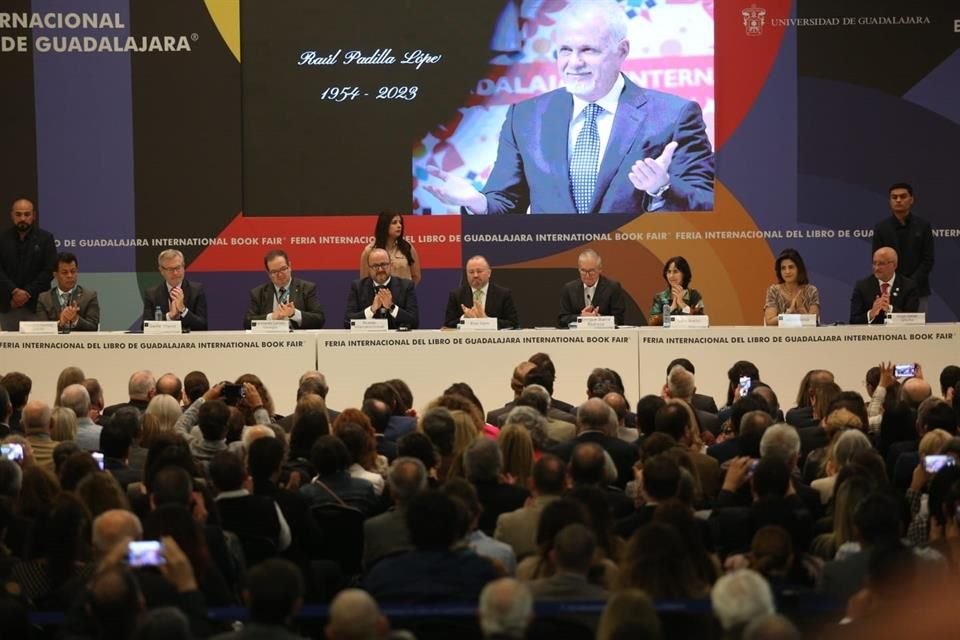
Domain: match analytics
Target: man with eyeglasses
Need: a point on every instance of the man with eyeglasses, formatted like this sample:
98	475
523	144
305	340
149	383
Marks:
883	292
176	297
284	297
480	298
593	294
382	295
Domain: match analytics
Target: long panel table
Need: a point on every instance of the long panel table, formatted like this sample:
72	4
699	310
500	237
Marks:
112	357
431	360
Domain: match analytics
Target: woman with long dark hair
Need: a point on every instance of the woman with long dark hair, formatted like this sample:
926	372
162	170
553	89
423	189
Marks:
388	235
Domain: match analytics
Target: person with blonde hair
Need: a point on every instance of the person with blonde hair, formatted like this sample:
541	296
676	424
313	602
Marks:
63	424
166	410
464	434
633	609
518	455
67	377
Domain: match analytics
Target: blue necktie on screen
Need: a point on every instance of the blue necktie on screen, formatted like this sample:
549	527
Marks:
585	160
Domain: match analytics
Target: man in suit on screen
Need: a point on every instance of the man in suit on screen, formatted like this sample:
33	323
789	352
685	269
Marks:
884	292
382	295
480	298
593	294
601	144
284	297
177	297
73	307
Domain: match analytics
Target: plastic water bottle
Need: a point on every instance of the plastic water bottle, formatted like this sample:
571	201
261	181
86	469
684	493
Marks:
158	313
666	318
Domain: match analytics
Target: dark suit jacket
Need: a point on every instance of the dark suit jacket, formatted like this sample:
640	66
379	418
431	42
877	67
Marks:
608	296
498	304
914	247
303	295
88	317
29	268
194	298
532	169
404	296
623	453
904	297
704	403
497	498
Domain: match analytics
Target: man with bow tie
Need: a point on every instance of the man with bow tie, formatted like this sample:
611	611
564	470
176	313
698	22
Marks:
284	297
884	292
72	306
176	297
381	295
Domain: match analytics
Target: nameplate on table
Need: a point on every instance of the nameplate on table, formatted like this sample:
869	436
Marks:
900	319
161	327
369	324
689	322
270	326
595	322
478	324
39	328
796	320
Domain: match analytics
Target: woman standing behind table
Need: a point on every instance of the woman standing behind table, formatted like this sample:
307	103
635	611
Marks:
677	298
794	293
388	235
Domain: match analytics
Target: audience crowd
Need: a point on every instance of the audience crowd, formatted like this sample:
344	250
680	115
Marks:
135	519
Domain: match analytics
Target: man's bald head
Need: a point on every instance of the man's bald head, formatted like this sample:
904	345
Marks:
35	417
354	615
618	403
112	526
519	375
596	415
915	391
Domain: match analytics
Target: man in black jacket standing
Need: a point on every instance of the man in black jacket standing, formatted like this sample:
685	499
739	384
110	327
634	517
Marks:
28	257
911	237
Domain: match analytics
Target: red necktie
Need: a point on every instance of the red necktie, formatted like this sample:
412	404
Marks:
884	288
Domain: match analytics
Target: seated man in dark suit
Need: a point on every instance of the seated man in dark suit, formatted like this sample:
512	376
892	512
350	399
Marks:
176	297
284	297
479	298
884	292
382	295
73	307
597	422
593	294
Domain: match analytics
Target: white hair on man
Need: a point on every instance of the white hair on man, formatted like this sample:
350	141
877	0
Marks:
781	442
739	597
681	383
169	254
506	608
609	11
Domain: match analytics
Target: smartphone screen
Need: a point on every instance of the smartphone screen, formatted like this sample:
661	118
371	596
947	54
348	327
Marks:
904	370
12	451
145	553
99	458
744	387
933	464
